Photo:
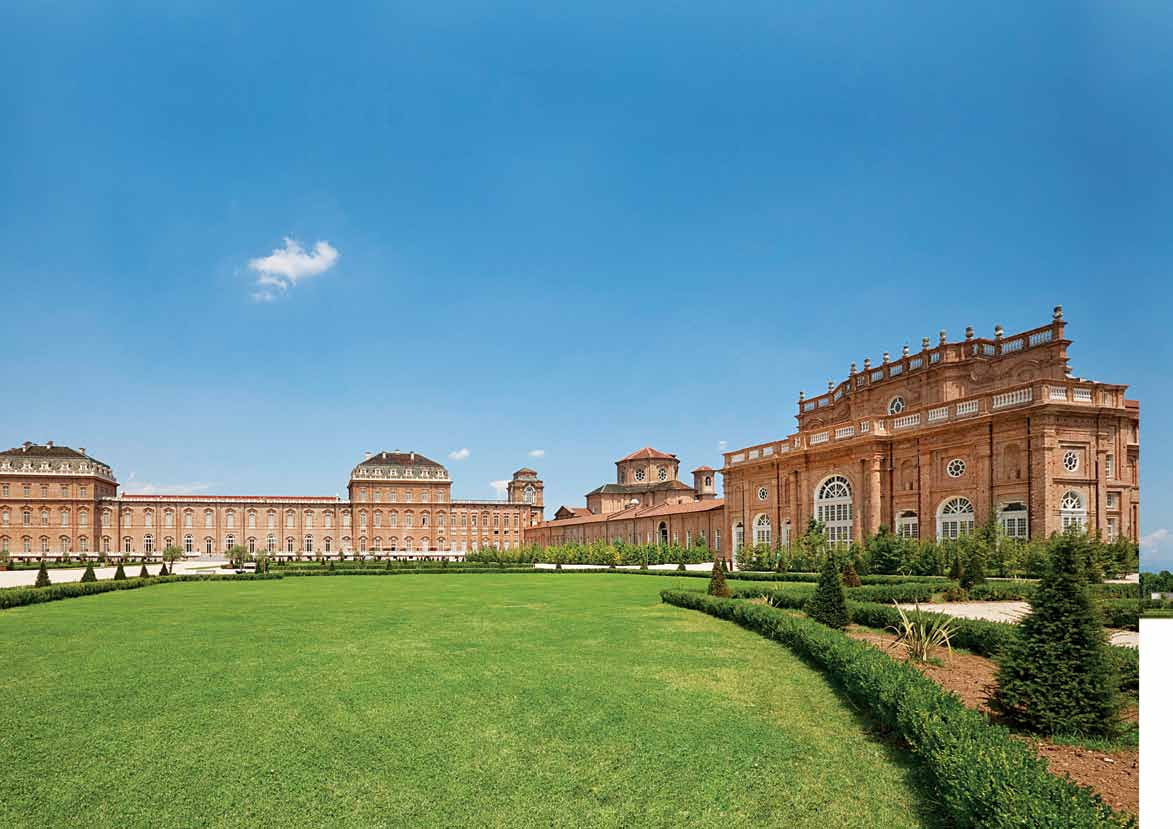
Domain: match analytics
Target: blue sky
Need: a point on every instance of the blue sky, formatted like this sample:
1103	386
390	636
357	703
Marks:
579	229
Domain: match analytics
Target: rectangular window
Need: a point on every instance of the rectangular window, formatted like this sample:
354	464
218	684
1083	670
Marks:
4	491
27	491
44	490
716	539
1109	467
1113	531
82	490
65	490
1113	500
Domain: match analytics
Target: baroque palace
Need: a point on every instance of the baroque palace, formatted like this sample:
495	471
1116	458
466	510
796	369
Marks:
930	444
60	502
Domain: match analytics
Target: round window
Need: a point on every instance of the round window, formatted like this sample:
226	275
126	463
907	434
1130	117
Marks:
896	405
763	493
662	474
955	468
1071	460
639	474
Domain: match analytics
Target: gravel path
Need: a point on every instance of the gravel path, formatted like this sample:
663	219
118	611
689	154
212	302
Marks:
27	578
1011	612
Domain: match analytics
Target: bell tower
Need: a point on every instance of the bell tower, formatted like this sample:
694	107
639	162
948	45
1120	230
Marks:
704	482
526	488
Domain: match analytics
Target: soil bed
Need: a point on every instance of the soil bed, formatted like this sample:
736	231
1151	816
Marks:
1114	775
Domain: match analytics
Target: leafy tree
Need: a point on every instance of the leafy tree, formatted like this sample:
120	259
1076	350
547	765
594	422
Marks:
237	555
43	576
1056	675
885	552
956	571
829	603
717	585
171	554
974	570
89	575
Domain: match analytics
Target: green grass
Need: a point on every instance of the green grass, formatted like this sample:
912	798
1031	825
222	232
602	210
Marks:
485	700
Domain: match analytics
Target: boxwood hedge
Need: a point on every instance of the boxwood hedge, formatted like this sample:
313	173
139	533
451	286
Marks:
21	596
983	776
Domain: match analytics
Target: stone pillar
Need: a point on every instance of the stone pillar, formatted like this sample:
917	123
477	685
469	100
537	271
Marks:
875	498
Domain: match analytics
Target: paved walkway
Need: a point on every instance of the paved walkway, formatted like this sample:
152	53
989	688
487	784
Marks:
1011	612
27	578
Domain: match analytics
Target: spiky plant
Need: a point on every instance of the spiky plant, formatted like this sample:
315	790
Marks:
920	634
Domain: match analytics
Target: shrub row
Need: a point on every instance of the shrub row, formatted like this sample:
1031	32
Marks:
983	776
21	596
1121	613
976	635
412	571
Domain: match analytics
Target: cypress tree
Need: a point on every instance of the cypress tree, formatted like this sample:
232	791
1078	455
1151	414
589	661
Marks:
43	576
119	574
89	575
1056	676
850	577
829	604
955	571
144	573
717	585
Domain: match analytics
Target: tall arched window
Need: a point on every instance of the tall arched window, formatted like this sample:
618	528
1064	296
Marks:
187	550
148	543
229	541
1012	519
270	543
289	545
327	544
662	531
208	546
954	518
126	544
530	494
738	536
1071	511
309	544
252	545
762	530
908	525
833	508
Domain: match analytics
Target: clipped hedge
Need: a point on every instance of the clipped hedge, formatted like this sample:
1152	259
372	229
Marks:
983	776
21	596
907	592
1121	613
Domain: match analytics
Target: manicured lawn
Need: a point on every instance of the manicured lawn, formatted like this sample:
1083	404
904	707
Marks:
486	700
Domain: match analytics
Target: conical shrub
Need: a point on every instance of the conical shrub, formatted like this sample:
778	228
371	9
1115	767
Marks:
829	604
120	574
163	569
144	573
1056	676
850	576
89	575
717	585
43	576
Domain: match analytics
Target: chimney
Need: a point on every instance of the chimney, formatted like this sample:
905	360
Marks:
413	457
366	456
81	449
49	444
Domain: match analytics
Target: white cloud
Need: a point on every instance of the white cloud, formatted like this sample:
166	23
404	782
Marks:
1154	540
285	267
537	453
137	487
500	486
459	454
722	445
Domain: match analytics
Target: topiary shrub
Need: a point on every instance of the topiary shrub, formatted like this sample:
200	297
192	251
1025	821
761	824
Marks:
681	566
717	585
89	575
829	603
163	569
144	573
956	571
120	574
850	577
43	576
1056	676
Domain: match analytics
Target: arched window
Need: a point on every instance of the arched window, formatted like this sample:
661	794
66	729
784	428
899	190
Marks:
187	520
252	520
309	519
762	530
126	544
378	518
44	518
393	519
424	519
289	520
270	543
529	494
377	543
271	520
229	541
83	518
105	544
168	519
327	544
738	536
1072	513
230	520
149	518
1012	519
187	548
309	544
408	519
440	521
83	545
44	544
393	544
148	543
289	545
252	545
208	518
833	508
908	525
64	542
662	530
954	518
208	546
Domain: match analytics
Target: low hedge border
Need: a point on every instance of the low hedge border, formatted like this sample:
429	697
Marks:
983	776
976	635
22	596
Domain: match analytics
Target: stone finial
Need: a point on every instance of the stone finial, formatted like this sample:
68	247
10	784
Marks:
924	343
830	385
1058	312
853	368
997	332
885	356
801	396
867	363
904	351
942	336
969	332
